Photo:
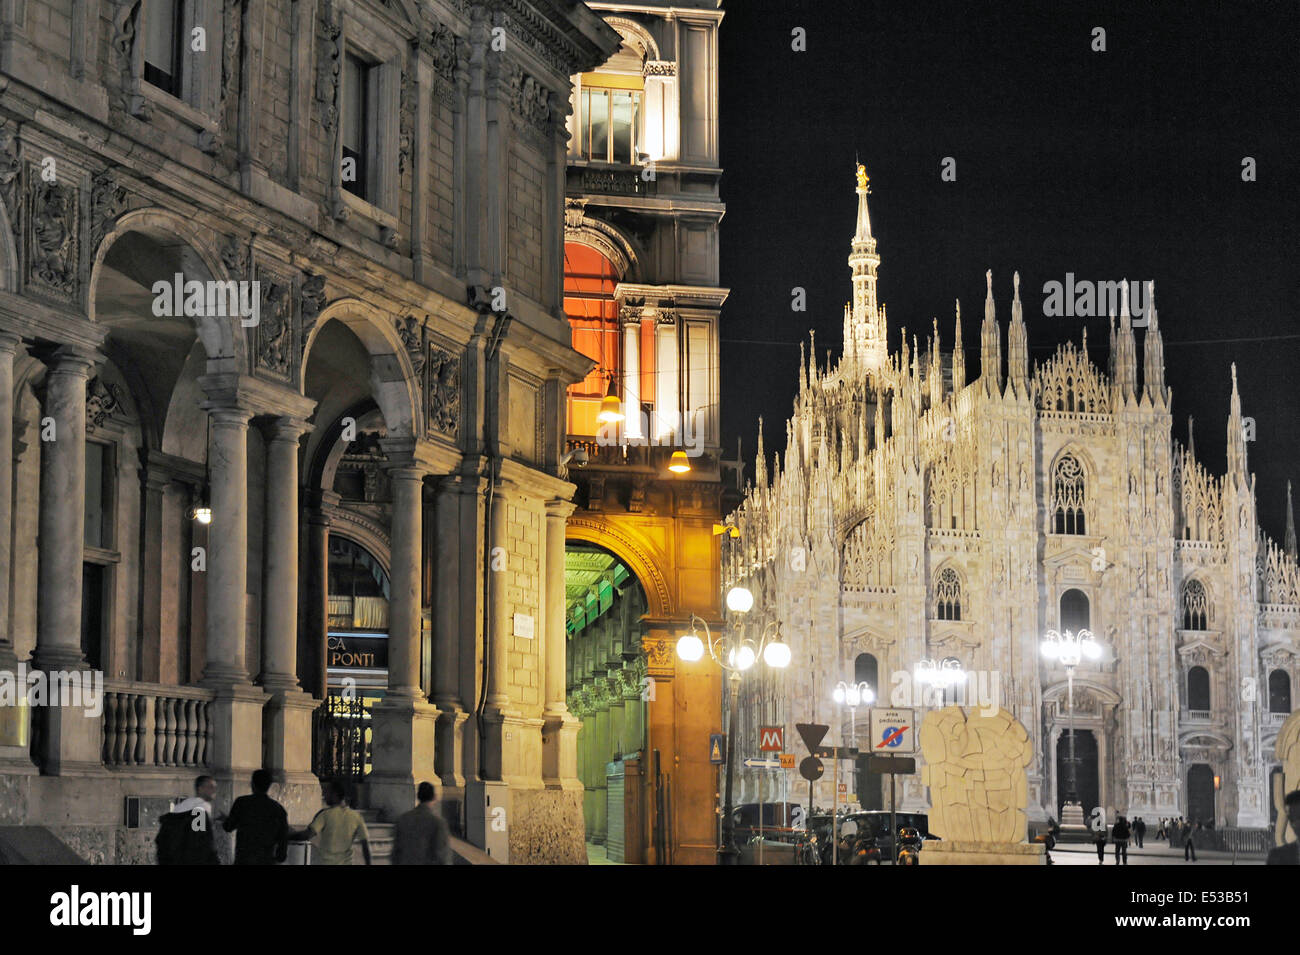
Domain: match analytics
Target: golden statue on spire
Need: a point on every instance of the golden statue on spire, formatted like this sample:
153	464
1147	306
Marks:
862	177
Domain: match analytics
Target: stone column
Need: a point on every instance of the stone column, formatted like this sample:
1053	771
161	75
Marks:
404	584
15	720
236	713
446	634
62	507
315	599
69	741
9	345
498	701
405	723
289	711
560	729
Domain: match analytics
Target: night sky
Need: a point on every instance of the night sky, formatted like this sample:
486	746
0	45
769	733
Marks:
1122	164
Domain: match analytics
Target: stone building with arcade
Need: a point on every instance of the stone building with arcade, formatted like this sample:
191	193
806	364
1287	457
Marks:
314	518
925	509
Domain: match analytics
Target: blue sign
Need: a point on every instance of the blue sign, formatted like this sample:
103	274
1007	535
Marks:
717	748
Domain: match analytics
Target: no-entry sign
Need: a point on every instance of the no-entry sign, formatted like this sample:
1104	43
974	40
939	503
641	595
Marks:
893	731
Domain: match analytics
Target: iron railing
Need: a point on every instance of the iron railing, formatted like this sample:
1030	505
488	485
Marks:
341	738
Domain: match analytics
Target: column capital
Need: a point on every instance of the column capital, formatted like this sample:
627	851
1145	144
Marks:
285	428
71	359
10	342
412	453
560	508
228	415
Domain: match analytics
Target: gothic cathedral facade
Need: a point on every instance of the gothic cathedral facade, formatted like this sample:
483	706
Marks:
918	516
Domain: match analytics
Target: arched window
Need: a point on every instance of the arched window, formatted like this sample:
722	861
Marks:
1075	611
1198	689
1196	606
1068	496
867	670
947	595
1279	692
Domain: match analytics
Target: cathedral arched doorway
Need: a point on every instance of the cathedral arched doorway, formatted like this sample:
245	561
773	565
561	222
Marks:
869	785
609	689
1200	793
1087	783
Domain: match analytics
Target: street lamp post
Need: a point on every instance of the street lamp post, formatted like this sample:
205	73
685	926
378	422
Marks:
1069	649
851	695
735	656
941	674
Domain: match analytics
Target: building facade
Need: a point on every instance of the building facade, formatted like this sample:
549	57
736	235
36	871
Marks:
283	362
920	515
642	210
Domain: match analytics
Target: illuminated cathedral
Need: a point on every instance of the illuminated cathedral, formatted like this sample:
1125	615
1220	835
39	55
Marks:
925	511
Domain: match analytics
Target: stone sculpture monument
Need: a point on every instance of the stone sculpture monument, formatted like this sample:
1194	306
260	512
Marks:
979	790
1287	749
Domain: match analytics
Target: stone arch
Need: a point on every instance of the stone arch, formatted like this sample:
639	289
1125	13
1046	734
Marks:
365	533
393	381
636	35
610	241
654	582
222	338
1196	590
1057	691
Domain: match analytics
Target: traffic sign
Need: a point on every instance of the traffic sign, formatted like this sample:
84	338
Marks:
771	739
891	765
811	768
787	760
812	734
835	752
717	748
893	730
753	763
844	788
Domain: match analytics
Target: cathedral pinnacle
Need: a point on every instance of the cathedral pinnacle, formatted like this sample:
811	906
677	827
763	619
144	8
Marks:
867	331
990	343
1236	435
958	356
1290	524
1018	345
1153	354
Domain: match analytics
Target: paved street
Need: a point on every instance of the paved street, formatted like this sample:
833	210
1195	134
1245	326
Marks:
1152	854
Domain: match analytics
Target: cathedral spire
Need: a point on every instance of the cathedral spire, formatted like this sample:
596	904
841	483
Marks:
1018	345
1236	435
760	460
990	343
1125	350
880	419
1191	439
958	356
868	331
1153	354
936	369
1290	524
803	370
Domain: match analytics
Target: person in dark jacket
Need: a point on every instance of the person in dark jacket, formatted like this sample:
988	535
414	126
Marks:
185	833
1189	845
260	824
1099	837
1119	834
1139	831
420	836
1289	854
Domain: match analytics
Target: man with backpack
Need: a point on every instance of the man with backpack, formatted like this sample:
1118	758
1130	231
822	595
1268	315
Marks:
1119	834
185	833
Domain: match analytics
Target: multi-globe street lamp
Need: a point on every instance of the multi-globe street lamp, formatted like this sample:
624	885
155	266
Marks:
735	655
1069	649
940	674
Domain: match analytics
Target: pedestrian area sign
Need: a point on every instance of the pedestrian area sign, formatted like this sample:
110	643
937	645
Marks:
717	748
893	730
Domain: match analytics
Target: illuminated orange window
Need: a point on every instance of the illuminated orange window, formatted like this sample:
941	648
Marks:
589	280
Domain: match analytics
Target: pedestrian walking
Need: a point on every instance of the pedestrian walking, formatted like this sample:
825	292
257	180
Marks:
260	824
1120	835
420	836
1160	831
185	833
1139	831
1289	854
338	827
1189	844
1099	837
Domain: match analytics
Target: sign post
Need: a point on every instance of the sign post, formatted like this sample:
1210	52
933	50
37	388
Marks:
894	732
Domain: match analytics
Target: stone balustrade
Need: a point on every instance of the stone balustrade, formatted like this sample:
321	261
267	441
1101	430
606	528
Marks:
149	724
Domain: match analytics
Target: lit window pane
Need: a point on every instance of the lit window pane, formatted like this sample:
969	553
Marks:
95	496
599	111
161	24
624	113
353	122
